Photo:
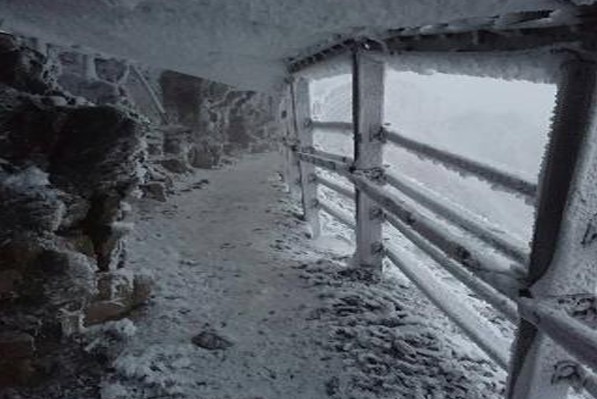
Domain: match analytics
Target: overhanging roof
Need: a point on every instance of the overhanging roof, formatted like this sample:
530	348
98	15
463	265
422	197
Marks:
242	43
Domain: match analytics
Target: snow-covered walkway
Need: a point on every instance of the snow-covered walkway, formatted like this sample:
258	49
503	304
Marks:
222	262
243	309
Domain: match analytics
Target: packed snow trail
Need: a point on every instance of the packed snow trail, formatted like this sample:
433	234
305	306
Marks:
221	262
243	308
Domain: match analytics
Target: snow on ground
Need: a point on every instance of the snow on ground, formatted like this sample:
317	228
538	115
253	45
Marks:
241	43
231	260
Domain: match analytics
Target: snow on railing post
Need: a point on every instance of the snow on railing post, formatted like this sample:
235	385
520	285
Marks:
292	174
564	252
367	103
302	118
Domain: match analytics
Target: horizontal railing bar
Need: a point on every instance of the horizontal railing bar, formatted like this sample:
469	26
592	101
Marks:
482	231
338	214
346	191
480	331
475	284
463	165
340	127
577	338
479	262
321	160
332	156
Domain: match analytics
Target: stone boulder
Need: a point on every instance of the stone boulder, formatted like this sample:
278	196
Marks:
23	68
111	69
119	292
97	91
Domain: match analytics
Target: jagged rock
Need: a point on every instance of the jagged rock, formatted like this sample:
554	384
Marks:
71	62
22	68
155	190
205	156
211	340
65	169
71	322
8	283
142	288
28	203
174	165
16	352
158	173
67	278
98	151
111	70
80	242
76	211
176	145
16	345
97	159
119	292
102	311
96	91
27	128
19	252
155	149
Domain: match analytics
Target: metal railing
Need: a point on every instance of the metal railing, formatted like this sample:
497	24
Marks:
517	281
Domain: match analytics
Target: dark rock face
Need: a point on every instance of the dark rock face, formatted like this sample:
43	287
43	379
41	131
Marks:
96	91
221	121
22	68
99	80
111	70
211	340
208	123
97	151
64	174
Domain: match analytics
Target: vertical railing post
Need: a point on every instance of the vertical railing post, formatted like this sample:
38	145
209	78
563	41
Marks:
563	260
367	103
302	118
292	175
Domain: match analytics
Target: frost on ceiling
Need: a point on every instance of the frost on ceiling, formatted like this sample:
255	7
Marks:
243	42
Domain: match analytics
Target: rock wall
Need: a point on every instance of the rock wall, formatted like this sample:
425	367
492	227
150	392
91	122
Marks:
197	123
79	133
223	121
66	170
208	123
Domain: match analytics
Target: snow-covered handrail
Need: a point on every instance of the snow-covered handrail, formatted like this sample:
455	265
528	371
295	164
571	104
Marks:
565	198
329	155
338	214
345	191
466	166
479	330
336	127
479	261
475	284
576	337
323	160
457	216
